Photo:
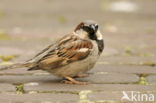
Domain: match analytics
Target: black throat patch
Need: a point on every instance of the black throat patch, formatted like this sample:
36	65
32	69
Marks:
100	45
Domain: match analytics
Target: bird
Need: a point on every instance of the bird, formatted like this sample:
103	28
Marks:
71	56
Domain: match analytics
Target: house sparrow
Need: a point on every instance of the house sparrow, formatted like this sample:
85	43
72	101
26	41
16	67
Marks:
71	56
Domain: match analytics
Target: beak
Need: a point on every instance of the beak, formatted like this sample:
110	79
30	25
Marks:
93	27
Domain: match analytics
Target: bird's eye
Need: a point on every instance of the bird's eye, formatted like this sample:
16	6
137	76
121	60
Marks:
90	29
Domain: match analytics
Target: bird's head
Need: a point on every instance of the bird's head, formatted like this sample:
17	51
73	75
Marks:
88	29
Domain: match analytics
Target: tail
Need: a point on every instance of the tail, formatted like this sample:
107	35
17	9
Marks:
17	65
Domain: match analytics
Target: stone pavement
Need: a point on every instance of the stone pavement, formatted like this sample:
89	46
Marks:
127	65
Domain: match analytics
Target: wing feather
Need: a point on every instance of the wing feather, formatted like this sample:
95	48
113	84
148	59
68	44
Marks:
69	50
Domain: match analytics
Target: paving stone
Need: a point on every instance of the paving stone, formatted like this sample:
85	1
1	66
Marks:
21	71
151	79
105	96
28	78
6	87
39	98
111	78
123	69
50	86
96	78
126	60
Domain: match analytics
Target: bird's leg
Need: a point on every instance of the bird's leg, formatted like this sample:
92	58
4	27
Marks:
70	80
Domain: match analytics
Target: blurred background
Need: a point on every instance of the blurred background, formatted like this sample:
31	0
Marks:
128	26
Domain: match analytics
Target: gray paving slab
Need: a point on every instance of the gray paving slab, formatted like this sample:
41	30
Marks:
123	69
21	71
28	78
6	87
151	79
39	98
127	60
105	96
95	78
94	87
111	78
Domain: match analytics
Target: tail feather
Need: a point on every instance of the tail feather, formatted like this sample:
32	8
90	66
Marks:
34	68
17	65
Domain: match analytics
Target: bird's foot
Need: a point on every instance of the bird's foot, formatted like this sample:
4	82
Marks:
73	81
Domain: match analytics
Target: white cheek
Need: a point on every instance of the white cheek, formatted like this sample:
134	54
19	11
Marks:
99	35
81	34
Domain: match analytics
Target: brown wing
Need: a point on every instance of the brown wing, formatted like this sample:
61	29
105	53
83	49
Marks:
43	50
70	48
